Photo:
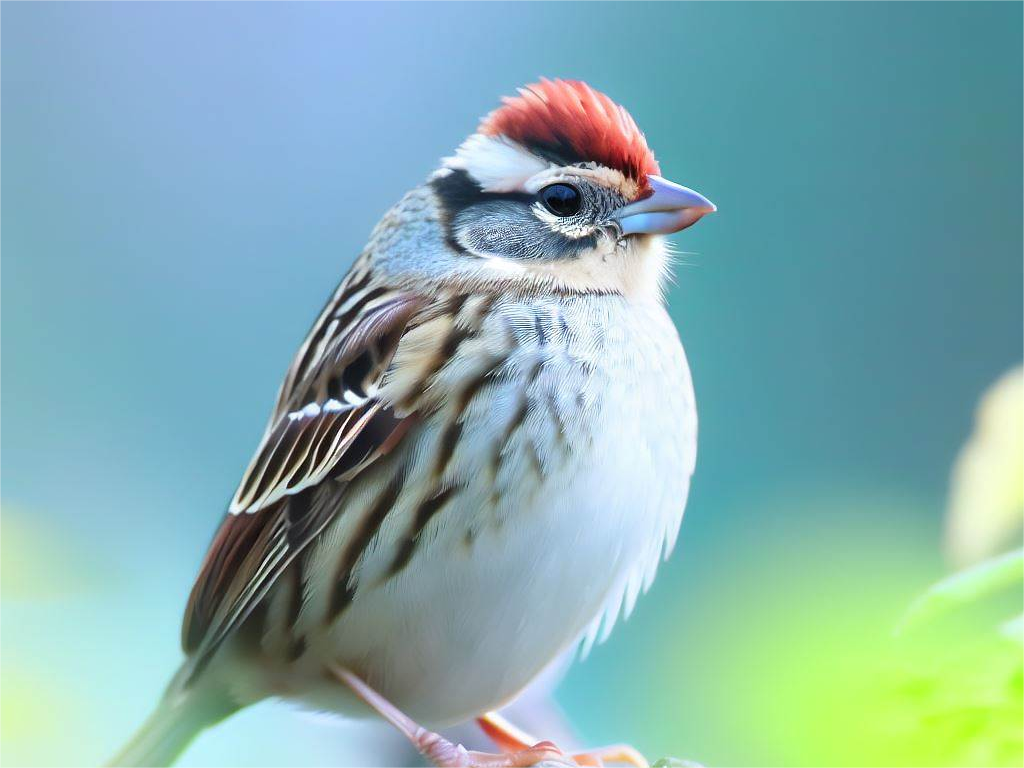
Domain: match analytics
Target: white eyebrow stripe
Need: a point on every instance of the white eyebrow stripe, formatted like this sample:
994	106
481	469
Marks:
496	163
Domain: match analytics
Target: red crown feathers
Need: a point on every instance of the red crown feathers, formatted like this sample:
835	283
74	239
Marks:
570	121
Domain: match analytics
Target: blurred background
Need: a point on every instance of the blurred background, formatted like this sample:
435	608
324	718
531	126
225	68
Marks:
184	184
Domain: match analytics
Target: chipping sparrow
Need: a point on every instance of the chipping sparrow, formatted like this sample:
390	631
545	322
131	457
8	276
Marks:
478	457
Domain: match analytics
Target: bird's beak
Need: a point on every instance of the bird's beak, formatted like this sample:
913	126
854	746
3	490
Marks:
668	208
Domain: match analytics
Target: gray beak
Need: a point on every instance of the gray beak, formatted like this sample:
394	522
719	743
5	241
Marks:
669	209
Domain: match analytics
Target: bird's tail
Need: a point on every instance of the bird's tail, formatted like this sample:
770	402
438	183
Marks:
181	715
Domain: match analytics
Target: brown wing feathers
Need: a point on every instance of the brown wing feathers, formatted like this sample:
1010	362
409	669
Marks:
327	424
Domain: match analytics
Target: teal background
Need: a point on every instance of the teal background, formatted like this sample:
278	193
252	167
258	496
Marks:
183	185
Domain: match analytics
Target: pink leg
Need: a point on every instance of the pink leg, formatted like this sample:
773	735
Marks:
438	749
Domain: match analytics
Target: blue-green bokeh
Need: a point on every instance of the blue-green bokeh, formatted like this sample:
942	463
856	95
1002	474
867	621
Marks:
184	184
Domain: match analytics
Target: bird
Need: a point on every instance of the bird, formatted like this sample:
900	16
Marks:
478	457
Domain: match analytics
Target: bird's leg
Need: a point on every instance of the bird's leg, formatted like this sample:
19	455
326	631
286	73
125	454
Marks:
510	738
436	748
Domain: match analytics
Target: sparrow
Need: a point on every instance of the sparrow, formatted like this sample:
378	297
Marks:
478	457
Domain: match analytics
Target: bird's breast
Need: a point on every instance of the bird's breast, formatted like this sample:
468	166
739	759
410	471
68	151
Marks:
534	497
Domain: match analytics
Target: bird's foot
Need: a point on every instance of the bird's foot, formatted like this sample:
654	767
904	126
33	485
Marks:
442	752
612	754
512	740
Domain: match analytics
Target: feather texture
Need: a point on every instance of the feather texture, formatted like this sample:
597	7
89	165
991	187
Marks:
573	123
479	454
340	427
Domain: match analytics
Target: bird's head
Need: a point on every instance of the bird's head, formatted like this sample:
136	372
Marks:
559	187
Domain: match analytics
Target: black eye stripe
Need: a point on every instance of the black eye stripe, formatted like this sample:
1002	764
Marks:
456	191
561	199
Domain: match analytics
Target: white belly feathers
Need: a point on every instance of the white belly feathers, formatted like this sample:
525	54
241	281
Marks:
526	513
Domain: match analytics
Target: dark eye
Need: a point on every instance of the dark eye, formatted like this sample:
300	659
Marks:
561	199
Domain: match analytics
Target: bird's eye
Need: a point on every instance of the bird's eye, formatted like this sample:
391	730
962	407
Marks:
561	199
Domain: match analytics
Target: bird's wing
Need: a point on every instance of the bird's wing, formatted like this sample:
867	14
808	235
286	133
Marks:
329	422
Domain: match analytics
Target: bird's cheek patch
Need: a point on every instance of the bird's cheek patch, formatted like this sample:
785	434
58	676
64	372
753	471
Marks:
512	231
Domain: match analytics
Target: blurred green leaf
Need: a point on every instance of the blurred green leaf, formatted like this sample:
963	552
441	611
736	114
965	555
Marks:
964	588
953	703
